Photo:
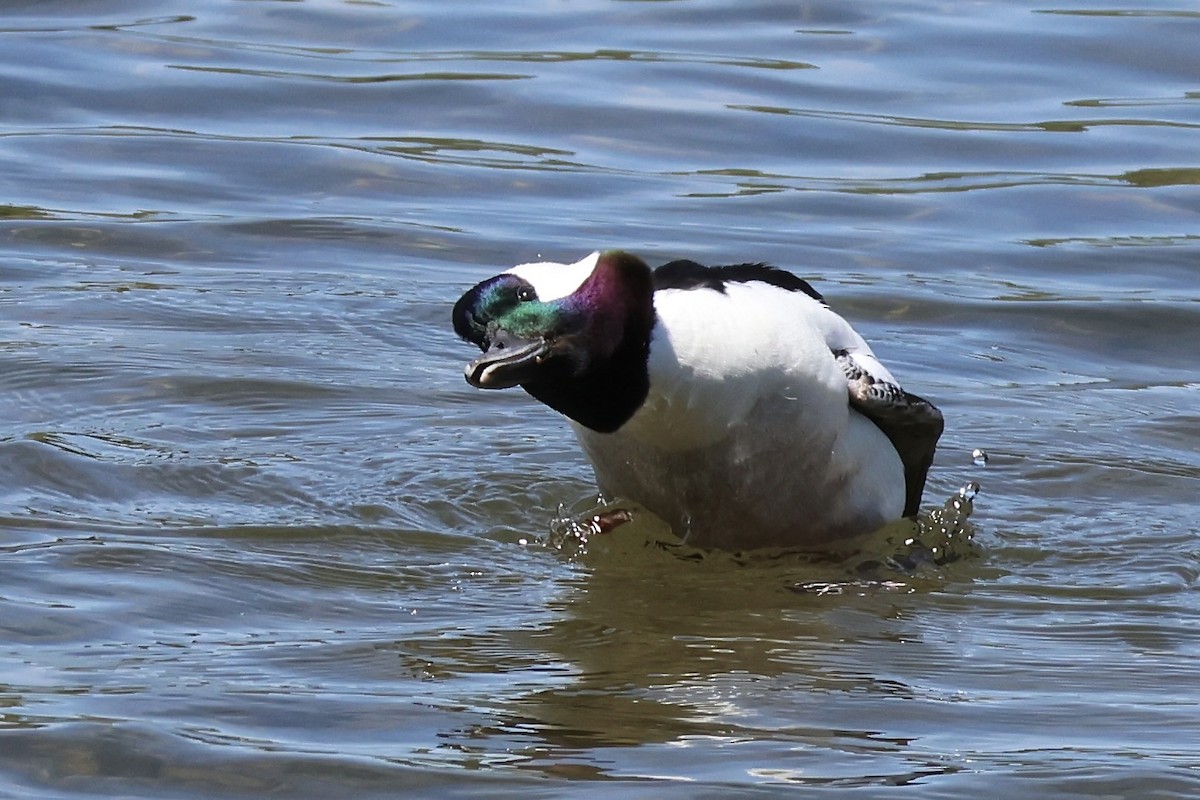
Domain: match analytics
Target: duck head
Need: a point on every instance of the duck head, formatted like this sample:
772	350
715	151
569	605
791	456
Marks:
574	336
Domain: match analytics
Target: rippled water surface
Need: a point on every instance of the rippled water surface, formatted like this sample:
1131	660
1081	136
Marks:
258	538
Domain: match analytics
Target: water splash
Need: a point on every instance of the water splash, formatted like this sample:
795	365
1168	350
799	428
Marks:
895	558
573	526
909	553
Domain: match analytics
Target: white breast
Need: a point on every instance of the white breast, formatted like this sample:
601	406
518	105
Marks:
716	356
747	437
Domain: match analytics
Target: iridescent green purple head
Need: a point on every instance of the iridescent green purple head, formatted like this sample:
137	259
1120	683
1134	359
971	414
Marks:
575	336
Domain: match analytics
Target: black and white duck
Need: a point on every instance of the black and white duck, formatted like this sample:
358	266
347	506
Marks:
731	401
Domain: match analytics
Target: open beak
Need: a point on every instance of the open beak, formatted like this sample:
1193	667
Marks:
507	362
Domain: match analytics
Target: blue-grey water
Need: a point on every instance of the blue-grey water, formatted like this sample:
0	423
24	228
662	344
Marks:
258	538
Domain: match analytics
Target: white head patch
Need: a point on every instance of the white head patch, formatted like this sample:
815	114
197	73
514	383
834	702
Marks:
552	281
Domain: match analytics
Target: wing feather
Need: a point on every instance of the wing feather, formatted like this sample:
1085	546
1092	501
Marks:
911	423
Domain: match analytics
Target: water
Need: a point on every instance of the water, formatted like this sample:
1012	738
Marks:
259	538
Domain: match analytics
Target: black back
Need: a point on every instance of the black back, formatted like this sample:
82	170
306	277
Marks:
685	274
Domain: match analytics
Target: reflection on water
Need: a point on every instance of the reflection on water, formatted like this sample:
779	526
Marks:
661	645
258	538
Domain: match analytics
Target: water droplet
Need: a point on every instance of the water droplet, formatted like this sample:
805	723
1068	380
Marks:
979	456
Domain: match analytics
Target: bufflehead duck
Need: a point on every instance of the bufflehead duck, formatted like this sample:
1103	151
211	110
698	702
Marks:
731	401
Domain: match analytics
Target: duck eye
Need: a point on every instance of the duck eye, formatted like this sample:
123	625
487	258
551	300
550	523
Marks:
525	294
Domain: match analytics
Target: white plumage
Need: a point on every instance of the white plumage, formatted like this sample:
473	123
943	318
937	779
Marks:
747	437
554	281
